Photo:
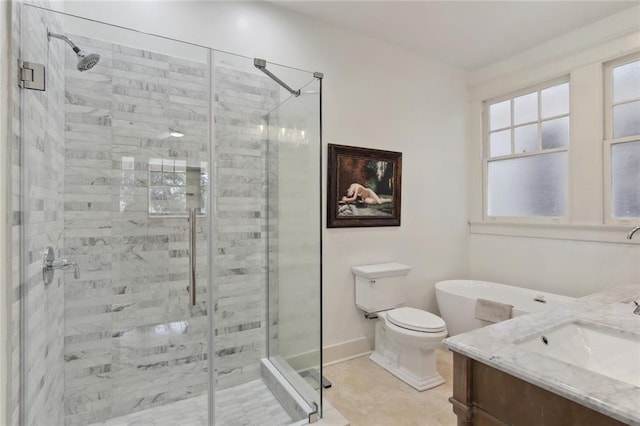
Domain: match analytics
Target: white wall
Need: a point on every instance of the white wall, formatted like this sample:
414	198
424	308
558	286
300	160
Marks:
571	268
582	255
375	95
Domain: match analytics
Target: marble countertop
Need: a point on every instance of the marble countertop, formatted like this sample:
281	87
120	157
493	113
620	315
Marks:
613	308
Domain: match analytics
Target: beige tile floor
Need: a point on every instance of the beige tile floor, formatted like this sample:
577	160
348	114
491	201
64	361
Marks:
368	395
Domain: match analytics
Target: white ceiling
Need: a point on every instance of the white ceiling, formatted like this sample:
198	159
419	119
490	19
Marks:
470	34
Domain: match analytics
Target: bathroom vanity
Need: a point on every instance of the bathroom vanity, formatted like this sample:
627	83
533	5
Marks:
574	364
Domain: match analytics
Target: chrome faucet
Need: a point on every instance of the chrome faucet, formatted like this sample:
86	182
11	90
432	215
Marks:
633	231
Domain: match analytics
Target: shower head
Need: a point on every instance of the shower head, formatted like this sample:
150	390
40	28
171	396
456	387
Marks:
85	62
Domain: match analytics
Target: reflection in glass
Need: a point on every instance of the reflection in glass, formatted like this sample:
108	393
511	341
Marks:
175	187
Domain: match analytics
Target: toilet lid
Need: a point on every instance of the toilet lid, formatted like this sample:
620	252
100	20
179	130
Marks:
416	320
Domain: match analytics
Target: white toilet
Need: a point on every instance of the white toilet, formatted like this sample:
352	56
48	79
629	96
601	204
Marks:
406	338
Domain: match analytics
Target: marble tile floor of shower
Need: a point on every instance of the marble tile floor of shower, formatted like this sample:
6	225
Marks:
248	404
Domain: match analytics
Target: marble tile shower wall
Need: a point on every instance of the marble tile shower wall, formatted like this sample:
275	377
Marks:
131	339
39	219
120	331
14	364
241	101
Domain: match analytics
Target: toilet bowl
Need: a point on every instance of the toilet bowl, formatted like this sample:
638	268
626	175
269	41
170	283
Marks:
405	343
405	338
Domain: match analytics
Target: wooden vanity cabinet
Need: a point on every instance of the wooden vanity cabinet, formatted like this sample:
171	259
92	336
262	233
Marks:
485	396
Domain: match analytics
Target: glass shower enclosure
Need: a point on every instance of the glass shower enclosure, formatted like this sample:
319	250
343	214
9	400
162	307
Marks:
170	231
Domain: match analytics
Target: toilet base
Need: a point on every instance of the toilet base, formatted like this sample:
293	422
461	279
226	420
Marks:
418	383
408	355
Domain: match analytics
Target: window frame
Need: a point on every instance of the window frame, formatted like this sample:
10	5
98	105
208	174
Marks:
608	140
486	158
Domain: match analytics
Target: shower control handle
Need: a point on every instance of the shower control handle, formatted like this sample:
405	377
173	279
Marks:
50	264
65	264
192	257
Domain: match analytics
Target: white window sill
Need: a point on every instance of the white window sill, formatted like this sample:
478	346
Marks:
615	234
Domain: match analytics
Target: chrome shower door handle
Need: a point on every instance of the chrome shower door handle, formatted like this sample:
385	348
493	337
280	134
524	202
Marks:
192	257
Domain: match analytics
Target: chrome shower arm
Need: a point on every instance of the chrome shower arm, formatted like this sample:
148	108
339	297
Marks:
62	37
85	62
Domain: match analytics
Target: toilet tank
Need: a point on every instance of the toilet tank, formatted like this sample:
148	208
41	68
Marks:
381	286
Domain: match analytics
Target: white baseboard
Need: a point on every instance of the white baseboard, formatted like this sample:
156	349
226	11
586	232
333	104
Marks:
345	351
303	361
332	354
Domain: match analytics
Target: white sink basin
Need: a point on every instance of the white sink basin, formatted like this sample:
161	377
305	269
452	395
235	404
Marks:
598	349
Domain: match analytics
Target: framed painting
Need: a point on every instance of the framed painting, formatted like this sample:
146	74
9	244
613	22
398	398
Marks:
363	187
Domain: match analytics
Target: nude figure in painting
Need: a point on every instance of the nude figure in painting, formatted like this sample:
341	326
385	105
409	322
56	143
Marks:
367	195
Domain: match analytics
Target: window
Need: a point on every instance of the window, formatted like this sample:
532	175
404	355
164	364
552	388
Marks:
622	138
526	152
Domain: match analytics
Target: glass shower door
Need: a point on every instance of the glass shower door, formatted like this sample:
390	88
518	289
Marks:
126	202
267	243
295	311
114	159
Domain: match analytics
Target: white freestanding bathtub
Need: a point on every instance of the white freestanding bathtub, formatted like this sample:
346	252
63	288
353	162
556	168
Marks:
457	301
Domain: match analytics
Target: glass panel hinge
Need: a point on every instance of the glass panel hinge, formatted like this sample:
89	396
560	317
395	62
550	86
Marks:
31	75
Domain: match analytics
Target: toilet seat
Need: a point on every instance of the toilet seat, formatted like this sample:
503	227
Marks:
416	320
